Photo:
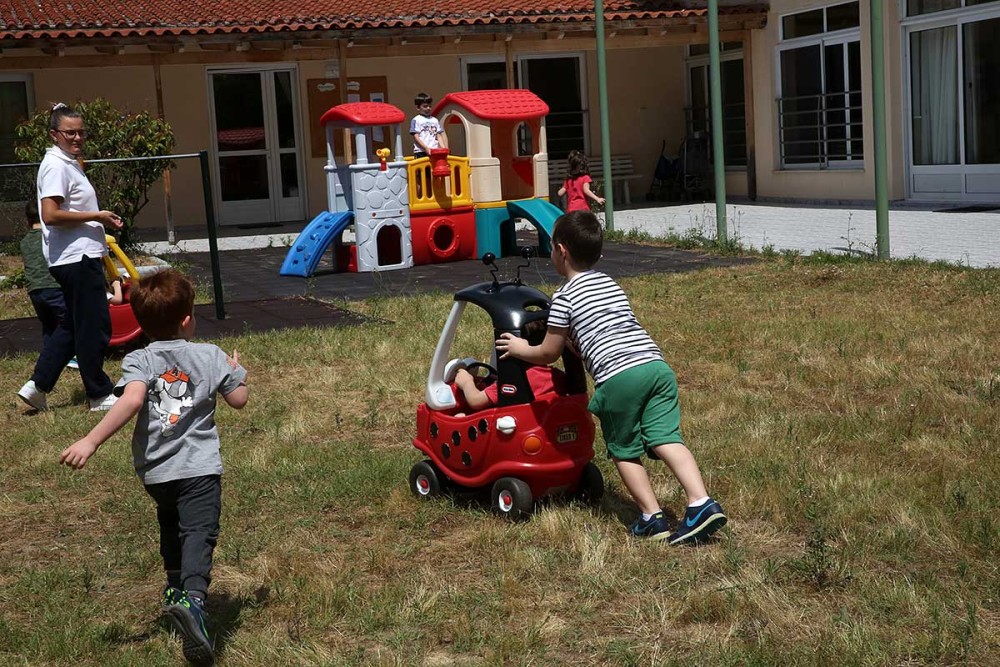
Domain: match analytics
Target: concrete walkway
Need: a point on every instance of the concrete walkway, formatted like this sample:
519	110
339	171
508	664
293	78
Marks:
933	232
966	238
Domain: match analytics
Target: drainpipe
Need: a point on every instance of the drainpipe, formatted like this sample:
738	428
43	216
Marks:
718	152
881	152
602	95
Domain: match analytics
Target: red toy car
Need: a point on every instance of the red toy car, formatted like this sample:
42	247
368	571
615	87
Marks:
525	446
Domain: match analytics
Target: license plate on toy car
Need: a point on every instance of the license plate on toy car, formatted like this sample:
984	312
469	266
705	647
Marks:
566	433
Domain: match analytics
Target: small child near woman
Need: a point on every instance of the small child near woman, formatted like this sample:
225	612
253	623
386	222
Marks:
576	188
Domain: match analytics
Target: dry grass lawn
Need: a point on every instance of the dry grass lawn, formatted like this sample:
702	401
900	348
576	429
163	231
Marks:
846	414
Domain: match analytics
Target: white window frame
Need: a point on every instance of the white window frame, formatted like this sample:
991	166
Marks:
29	86
946	13
519	65
704	60
822	39
908	25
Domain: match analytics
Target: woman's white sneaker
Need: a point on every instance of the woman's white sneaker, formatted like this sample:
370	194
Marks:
33	396
102	404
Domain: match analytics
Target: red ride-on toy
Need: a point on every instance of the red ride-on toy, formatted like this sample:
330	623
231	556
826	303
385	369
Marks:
525	446
124	327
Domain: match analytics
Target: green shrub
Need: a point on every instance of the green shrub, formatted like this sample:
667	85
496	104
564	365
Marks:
15	280
122	187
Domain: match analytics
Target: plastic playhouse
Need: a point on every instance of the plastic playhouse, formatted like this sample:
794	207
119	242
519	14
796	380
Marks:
438	208
525	446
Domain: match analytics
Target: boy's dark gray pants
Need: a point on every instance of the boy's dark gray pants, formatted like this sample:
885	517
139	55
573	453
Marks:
188	512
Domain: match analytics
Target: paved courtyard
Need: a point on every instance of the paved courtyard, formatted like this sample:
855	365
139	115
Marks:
943	232
960	237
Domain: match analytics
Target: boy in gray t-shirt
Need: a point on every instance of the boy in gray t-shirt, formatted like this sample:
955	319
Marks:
172	385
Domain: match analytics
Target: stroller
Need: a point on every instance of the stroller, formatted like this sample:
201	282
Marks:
666	177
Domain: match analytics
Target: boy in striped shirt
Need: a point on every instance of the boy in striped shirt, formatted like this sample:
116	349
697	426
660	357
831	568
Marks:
636	391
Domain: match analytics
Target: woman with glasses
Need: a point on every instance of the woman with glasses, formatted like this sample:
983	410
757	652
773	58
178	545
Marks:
73	244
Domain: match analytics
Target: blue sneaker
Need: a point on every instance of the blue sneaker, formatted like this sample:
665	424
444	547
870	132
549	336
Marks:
188	616
699	522
655	529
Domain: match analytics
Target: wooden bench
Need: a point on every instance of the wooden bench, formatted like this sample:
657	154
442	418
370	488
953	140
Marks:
622	171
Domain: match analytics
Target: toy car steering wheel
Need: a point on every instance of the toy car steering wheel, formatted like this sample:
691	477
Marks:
491	372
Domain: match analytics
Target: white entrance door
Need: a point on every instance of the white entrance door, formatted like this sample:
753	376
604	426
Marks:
258	168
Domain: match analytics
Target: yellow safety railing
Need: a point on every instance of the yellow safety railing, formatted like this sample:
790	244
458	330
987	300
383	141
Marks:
428	193
119	254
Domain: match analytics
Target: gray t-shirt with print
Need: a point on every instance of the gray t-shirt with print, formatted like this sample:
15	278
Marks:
175	435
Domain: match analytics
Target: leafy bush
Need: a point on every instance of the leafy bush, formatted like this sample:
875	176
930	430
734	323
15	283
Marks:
122	187
15	280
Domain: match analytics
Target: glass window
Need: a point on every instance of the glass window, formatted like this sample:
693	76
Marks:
916	7
842	17
982	94
819	111
733	106
799	109
934	86
13	110
488	76
802	25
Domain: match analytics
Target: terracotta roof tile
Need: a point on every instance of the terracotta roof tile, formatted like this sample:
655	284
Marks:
32	19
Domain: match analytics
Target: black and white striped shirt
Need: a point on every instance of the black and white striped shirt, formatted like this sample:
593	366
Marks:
602	325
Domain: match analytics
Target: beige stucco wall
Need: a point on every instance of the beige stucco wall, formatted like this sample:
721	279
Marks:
835	184
646	88
134	89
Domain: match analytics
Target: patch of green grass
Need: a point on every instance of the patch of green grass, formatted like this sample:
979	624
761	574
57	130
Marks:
843	412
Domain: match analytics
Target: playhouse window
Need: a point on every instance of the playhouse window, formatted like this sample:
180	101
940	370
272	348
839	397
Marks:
524	140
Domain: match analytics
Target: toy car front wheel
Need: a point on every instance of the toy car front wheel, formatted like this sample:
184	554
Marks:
425	480
591	487
512	499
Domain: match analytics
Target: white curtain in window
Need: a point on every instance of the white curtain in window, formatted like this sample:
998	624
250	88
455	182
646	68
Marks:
934	64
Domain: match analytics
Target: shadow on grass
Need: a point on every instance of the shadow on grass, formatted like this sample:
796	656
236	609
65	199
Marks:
225	613
224	619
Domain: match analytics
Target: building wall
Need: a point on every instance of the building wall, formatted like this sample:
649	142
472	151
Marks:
646	89
829	184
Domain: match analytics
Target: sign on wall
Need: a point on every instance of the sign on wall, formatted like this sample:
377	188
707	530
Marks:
326	93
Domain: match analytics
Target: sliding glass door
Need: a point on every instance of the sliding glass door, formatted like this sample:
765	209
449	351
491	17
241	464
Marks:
954	106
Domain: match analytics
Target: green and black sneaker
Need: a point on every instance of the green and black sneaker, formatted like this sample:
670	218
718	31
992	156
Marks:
188	616
170	596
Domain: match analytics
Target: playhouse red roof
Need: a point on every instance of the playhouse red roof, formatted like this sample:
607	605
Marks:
61	19
362	113
497	104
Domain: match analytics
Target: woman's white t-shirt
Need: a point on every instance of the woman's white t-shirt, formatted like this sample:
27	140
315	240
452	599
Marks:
60	175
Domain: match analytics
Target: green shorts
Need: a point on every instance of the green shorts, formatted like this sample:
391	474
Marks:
638	410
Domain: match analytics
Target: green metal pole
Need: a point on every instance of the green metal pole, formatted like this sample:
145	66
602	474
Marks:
213	236
718	148
602	95
881	152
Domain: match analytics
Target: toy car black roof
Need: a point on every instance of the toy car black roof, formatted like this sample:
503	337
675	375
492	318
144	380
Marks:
509	304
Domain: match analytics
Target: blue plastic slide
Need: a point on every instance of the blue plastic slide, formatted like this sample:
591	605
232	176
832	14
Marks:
304	255
540	213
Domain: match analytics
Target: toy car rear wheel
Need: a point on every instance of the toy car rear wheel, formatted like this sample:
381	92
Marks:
511	499
425	480
591	487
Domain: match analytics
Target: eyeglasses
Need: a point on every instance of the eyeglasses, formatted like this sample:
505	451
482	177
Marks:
73	134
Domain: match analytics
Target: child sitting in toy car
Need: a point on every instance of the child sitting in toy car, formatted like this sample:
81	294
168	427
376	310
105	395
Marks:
543	379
